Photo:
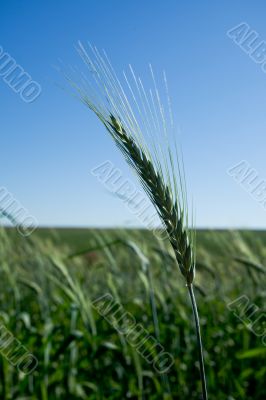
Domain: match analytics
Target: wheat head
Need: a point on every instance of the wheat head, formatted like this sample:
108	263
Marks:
161	178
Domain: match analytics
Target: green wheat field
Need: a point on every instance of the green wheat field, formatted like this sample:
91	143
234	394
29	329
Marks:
49	280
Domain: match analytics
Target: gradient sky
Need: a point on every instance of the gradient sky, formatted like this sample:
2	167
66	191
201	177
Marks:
218	95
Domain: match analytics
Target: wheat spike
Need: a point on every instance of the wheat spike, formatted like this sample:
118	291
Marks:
161	177
159	194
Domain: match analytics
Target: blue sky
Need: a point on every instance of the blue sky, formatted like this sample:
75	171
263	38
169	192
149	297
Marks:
218	94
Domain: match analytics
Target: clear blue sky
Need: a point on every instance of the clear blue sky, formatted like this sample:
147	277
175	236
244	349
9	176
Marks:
48	147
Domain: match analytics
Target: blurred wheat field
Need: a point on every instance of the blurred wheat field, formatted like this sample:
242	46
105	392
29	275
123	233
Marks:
49	280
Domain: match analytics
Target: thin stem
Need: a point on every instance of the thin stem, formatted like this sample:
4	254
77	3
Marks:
199	342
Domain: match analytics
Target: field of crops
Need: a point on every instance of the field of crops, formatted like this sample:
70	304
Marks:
50	279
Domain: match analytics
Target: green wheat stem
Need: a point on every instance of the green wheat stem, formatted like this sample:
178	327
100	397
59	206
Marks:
199	341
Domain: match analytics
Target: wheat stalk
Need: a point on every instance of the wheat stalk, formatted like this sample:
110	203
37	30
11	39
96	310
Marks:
161	177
